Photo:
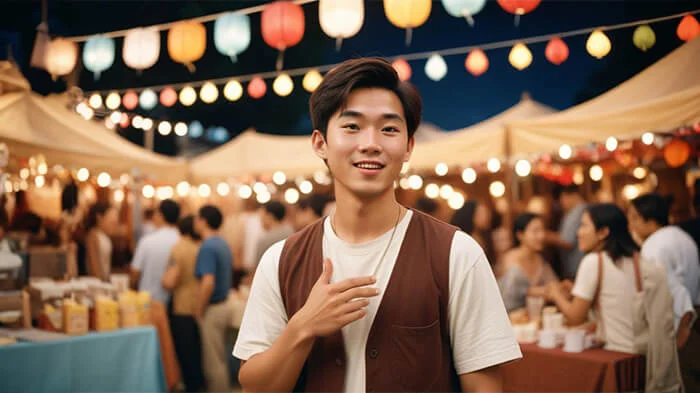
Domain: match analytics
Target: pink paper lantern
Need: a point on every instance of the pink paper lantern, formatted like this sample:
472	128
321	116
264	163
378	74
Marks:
257	87
130	100
168	97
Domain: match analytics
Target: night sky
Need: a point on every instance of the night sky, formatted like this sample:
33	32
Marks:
457	101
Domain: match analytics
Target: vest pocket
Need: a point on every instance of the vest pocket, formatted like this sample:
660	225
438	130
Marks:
415	356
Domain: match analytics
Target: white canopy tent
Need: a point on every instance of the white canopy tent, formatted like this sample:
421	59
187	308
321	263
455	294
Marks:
479	142
663	97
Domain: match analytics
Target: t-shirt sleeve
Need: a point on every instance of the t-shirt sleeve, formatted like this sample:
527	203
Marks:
480	332
139	256
206	261
265	317
586	282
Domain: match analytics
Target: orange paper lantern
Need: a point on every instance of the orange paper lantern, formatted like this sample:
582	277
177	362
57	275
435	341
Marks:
477	63
168	97
676	153
402	68
187	42
688	28
282	24
556	51
130	100
257	87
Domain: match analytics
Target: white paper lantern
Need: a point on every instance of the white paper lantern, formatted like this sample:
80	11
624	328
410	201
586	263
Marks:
148	99
341	19
141	48
435	67
283	85
164	128
180	129
61	57
233	90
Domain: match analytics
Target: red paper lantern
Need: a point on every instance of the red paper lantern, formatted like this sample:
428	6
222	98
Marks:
519	7
402	68
676	153
130	100
168	97
476	63
696	127
688	28
282	24
257	87
556	51
124	120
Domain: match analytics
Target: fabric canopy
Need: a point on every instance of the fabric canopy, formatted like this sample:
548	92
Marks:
31	124
255	153
663	97
479	142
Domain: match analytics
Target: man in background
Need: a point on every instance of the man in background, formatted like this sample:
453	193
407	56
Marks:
272	216
309	210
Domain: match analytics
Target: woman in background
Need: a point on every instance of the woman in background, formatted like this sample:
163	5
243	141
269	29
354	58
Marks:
525	273
101	221
475	219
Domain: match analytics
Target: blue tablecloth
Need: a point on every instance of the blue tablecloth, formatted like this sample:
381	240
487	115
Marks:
125	360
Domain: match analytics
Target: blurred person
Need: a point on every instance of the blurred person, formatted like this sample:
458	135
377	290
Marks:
272	216
476	219
102	220
180	279
427	206
570	254
525	272
309	210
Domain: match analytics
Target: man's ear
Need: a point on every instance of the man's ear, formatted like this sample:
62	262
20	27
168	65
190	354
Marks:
318	143
409	150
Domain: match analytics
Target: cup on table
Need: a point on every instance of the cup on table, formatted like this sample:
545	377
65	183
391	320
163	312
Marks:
556	321
548	339
534	306
575	340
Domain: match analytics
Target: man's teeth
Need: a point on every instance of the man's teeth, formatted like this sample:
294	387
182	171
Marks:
369	166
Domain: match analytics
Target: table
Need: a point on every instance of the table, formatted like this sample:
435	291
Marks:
125	360
593	370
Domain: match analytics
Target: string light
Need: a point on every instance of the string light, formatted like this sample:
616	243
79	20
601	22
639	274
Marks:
441	169
596	173
648	138
148	191
83	174
565	152
245	192
469	175
103	179
523	168
432	190
494	165
223	189
279	178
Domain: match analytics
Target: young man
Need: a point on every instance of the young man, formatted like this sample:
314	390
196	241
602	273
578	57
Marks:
375	297
153	251
213	269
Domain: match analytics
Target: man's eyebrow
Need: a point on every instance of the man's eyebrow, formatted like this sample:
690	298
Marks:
388	116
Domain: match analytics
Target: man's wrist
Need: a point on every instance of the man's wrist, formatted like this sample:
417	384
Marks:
300	331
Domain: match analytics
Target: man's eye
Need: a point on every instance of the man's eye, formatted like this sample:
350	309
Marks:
354	127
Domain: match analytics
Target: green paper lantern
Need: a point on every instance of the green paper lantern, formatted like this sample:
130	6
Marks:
644	37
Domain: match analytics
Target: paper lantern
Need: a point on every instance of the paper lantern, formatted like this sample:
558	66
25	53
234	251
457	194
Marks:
130	100
113	100
209	93
98	54
644	37
519	7
168	97
556	51
257	87
61	57
435	67
188	96
233	90
311	81
148	99
676	153
464	8
282	24
402	68
407	14
283	85
598	44
187	42
688	28
476	63
341	19
232	34
520	56
141	48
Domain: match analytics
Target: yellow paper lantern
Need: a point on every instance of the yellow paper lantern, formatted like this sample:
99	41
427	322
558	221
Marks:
187	42
61	57
113	100
311	80
233	90
283	85
209	93
598	44
520	56
188	96
407	14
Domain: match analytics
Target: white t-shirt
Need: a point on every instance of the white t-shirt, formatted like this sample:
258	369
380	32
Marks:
616	297
151	258
480	331
672	248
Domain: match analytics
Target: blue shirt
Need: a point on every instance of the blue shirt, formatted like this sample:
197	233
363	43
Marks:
215	258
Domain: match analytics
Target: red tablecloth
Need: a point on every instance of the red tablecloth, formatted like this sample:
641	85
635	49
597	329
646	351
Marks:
553	370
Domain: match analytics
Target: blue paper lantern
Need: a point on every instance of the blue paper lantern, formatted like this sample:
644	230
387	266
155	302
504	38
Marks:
148	99
464	8
217	134
232	34
195	130
98	54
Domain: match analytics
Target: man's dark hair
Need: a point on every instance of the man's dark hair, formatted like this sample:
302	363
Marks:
426	205
653	207
332	94
170	210
148	214
277	209
186	227
211	215
316	202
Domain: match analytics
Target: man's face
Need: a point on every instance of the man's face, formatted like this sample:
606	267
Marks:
366	142
198	224
638	225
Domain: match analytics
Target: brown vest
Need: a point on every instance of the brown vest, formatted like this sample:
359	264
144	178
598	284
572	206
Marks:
408	348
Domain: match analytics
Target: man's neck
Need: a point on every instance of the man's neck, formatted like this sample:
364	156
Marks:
656	228
359	220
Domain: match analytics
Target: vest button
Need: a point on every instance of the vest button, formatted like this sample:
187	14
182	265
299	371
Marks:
373	353
339	362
